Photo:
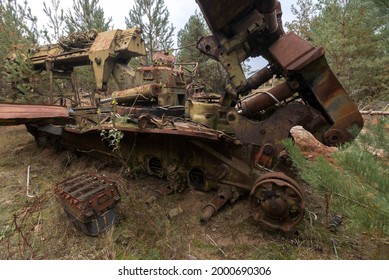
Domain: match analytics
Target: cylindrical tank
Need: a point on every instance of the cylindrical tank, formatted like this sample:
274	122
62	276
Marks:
145	92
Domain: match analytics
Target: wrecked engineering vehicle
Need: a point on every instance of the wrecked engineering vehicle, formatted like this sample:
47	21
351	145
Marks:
109	54
208	142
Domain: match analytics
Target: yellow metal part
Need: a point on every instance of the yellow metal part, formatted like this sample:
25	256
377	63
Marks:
111	46
106	50
212	115
170	79
146	92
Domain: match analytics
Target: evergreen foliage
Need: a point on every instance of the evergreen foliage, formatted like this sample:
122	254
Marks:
18	34
86	15
209	72
355	35
356	185
152	16
188	36
304	12
56	21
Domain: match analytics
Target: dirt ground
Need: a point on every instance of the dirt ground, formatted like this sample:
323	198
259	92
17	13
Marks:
34	226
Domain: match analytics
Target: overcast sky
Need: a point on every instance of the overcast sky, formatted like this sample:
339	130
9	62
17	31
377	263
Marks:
180	10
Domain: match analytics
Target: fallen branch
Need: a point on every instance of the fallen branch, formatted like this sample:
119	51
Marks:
371	112
214	243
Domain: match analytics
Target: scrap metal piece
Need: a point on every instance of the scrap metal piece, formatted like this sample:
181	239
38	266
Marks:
15	114
262	100
253	27
106	48
79	40
222	197
269	136
145	92
89	201
277	202
241	29
320	87
335	223
175	212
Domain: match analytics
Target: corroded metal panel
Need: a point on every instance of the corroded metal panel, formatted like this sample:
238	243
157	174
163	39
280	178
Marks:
88	200
14	114
323	89
218	13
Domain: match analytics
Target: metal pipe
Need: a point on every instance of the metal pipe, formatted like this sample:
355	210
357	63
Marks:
144	92
105	100
271	22
265	6
224	195
256	103
257	79
268	9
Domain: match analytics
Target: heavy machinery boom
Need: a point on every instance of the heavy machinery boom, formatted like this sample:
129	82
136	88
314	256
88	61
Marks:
251	28
103	50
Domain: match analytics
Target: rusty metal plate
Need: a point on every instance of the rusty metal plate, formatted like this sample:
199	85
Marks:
14	114
293	53
104	41
179	129
324	92
97	224
219	13
335	102
86	196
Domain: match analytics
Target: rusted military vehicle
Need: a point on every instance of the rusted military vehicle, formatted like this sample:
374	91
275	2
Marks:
229	143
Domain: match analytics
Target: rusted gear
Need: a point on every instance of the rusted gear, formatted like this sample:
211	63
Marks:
277	202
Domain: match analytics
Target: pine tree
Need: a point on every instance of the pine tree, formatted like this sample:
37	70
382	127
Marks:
17	24
356	184
187	38
355	35
350	36
377	15
152	16
304	10
209	71
18	34
56	21
86	15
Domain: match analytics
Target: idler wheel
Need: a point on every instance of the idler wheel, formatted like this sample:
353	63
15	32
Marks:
277	202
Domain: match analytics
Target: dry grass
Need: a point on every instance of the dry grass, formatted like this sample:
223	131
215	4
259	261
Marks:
37	228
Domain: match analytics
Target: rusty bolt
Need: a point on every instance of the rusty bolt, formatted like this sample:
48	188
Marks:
335	136
335	223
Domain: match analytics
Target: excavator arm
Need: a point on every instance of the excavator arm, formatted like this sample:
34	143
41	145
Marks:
103	50
251	28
